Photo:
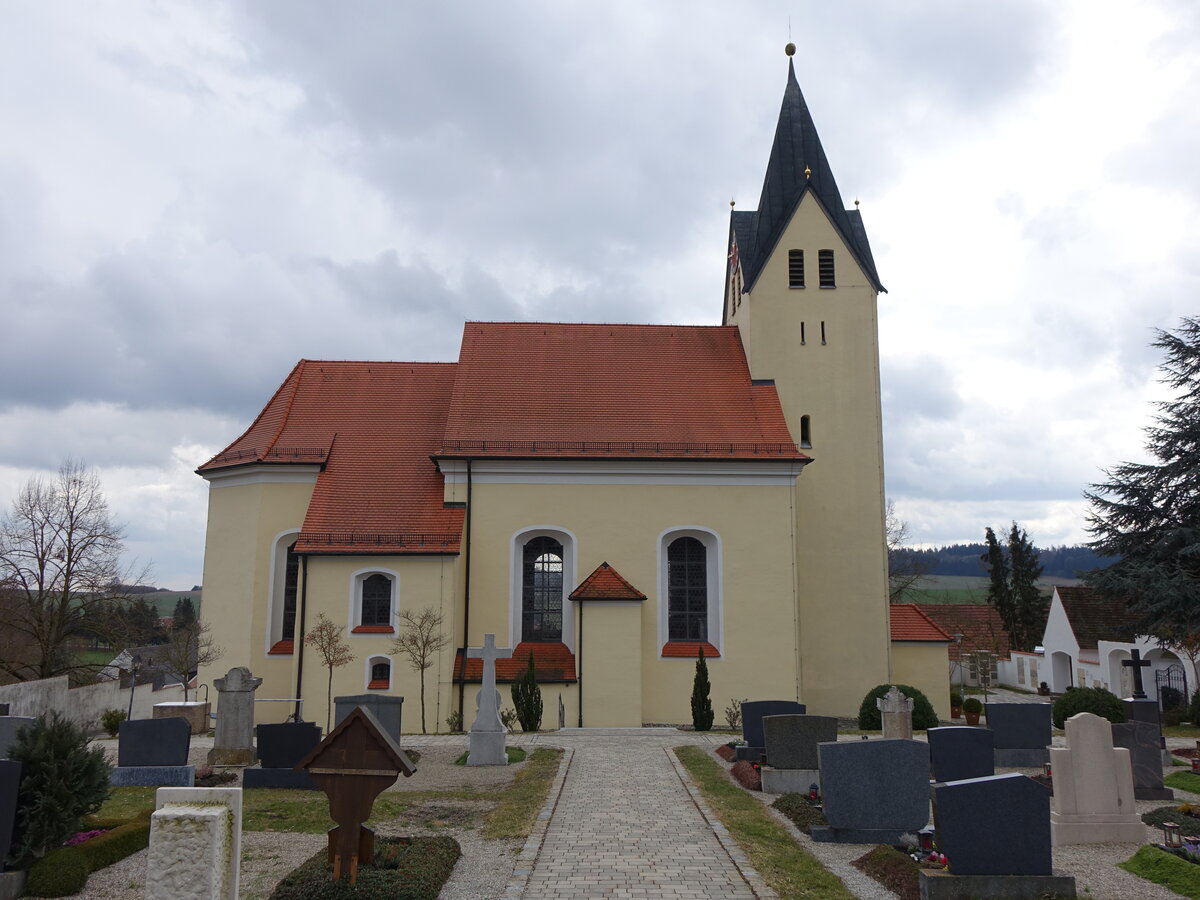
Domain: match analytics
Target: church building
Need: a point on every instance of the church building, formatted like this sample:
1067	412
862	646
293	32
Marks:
612	499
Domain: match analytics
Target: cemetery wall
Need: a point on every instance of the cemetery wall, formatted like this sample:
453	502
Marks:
924	665
83	704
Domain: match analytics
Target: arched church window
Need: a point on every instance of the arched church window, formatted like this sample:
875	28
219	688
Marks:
381	674
376	600
291	578
542	590
687	590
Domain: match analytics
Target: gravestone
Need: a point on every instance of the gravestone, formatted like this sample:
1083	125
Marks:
753	712
1021	733
9	726
1143	742
195	844
4	709
1093	787
995	832
791	745
384	707
195	711
874	791
153	752
233	744
487	731
10	781
895	711
353	765
959	752
1143	710
280	747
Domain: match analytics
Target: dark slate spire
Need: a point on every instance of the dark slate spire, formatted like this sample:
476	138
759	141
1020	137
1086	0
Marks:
797	165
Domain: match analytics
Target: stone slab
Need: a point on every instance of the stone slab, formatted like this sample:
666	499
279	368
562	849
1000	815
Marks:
164	776
278	778
195	844
958	752
282	745
1014	758
826	835
487	749
936	885
196	713
996	825
1144	743
789	781
791	740
752	716
9	726
1142	711
384	707
875	785
1019	726
750	754
10	783
153	742
12	885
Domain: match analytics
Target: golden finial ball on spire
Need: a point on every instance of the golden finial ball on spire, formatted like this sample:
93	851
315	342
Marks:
732	204
807	172
790	49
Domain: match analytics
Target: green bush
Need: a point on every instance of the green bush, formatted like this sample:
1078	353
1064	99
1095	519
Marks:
454	721
64	871
1094	700
1194	709
404	869
61	782
972	705
1173	717
59	873
956	699
111	719
527	698
1171	698
702	710
923	714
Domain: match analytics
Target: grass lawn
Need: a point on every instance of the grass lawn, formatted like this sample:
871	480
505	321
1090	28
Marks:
1166	869
785	866
1181	731
512	814
1184	781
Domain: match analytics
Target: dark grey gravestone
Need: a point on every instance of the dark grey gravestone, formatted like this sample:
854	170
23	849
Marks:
998	825
283	745
278	778
1141	711
791	741
383	707
1021	732
10	781
160	776
9	726
3	709
874	791
153	742
1145	753
957	752
752	729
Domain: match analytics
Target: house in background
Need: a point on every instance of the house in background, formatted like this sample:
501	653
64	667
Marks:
1087	638
919	652
970	627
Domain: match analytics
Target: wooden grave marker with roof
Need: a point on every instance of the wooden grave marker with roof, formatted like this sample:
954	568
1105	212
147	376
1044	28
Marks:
355	763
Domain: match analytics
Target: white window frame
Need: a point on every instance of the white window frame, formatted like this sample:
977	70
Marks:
715	583
372	661
354	616
570	581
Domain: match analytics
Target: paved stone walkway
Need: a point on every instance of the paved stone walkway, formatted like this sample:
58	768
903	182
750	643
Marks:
625	826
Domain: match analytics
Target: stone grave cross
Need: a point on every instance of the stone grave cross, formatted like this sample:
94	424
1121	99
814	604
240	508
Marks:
1137	663
895	711
487	731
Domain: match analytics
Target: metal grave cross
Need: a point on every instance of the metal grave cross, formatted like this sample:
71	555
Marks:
487	718
1137	663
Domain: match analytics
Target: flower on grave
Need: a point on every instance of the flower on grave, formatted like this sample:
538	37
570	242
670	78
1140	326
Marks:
80	837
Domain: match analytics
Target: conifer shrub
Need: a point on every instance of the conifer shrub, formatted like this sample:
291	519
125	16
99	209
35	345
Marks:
869	718
404	869
1093	700
111	719
702	710
527	698
61	782
972	705
1194	709
64	871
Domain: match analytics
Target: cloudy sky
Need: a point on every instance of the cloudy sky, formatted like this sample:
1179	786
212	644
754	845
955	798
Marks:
195	195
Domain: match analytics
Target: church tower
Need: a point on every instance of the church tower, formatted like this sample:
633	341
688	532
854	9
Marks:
801	287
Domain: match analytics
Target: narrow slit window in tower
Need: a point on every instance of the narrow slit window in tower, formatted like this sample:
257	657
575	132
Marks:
802	333
805	431
822	332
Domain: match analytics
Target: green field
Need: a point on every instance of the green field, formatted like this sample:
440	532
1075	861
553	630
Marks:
962	589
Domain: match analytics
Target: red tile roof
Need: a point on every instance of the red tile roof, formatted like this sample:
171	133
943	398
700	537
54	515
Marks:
979	624
528	389
909	623
551	662
1095	618
605	583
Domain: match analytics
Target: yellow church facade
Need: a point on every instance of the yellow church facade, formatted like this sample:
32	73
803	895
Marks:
612	499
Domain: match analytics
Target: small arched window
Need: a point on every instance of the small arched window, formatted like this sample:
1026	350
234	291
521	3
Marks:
542	590
381	674
687	590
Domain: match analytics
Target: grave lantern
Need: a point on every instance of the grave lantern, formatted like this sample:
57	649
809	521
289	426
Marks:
926	836
813	792
1171	833
1196	764
1046	770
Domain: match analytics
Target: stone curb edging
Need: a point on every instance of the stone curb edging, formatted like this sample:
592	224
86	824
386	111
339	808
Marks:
523	867
750	874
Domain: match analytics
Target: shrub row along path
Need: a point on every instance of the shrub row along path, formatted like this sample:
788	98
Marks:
625	824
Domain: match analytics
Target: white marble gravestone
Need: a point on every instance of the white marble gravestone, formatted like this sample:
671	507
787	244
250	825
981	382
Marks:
487	731
1093	799
195	844
896	712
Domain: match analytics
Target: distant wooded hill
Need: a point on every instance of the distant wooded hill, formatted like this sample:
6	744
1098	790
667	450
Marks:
966	559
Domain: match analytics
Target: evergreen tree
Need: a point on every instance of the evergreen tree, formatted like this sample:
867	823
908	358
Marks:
1013	572
185	613
527	698
1148	514
702	710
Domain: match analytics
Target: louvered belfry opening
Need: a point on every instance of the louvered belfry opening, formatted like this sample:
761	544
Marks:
795	268
825	264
